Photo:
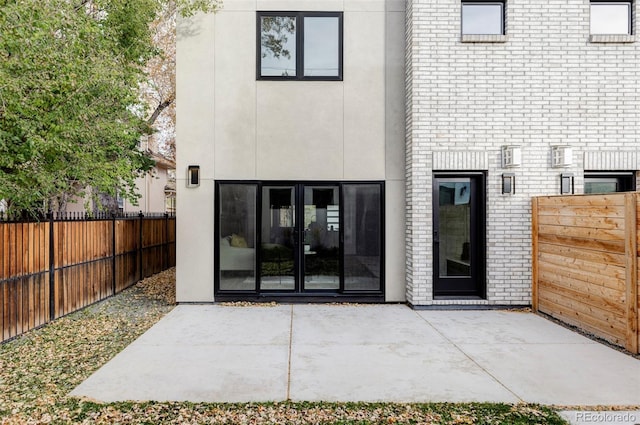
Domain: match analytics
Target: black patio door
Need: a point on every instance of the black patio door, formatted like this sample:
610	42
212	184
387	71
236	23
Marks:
316	239
300	243
458	235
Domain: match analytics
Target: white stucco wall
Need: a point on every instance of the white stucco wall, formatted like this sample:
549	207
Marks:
238	128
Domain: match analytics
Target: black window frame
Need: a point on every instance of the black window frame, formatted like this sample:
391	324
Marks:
501	3
299	45
630	21
625	179
343	294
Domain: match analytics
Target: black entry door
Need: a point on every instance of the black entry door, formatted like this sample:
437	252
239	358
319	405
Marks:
458	235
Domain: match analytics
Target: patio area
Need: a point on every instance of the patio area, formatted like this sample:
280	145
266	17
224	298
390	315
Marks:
219	353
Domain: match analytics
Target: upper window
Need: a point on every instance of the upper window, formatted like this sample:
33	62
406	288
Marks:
483	18
299	45
611	17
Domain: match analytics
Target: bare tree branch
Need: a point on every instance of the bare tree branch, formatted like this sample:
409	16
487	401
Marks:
156	113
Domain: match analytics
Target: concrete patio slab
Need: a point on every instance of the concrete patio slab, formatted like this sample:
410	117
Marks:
212	325
499	326
586	374
220	353
367	324
400	373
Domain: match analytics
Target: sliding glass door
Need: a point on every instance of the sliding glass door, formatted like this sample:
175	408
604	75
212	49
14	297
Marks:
299	238
321	237
278	241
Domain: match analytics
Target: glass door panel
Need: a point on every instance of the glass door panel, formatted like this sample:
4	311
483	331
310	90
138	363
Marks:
278	250
237	245
458	235
362	237
321	242
454	228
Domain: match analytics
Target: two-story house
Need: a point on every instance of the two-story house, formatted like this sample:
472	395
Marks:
388	150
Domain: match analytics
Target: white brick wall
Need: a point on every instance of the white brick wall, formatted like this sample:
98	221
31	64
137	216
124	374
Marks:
546	84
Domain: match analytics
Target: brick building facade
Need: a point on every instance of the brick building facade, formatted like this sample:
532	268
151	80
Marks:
546	81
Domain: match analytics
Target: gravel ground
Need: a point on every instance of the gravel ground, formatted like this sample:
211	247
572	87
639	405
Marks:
39	369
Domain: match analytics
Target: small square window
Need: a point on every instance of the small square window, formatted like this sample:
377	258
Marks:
299	45
611	17
482	18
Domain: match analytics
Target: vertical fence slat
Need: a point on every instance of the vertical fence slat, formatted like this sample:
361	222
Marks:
114	255
631	278
534	254
2	283
52	269
141	246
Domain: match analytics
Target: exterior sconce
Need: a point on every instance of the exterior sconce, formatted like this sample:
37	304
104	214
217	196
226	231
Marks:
508	183
561	156
566	184
193	176
511	156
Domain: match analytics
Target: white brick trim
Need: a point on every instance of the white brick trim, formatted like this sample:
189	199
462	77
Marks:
484	38
611	161
612	38
460	160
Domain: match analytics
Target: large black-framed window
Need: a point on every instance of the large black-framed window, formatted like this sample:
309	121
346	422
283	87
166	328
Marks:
299	45
483	17
311	238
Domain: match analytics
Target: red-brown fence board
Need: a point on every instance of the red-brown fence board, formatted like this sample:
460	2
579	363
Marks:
87	265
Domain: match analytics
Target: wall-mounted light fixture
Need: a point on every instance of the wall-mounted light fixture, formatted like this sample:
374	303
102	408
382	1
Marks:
561	156
193	176
511	156
566	183
508	183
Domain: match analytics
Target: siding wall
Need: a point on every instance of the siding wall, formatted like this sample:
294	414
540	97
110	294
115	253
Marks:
545	85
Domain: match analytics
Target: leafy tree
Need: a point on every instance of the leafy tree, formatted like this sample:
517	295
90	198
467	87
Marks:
159	90
71	114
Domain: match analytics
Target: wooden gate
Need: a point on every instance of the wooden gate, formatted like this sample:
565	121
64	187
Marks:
585	263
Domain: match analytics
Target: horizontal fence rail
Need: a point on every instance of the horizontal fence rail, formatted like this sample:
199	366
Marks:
585	263
64	263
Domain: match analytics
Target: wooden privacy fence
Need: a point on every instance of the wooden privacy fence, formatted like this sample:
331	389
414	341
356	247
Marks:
52	268
585	263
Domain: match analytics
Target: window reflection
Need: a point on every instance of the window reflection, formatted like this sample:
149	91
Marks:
278	46
237	236
300	45
321	237
362	242
610	18
321	46
482	18
454	213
